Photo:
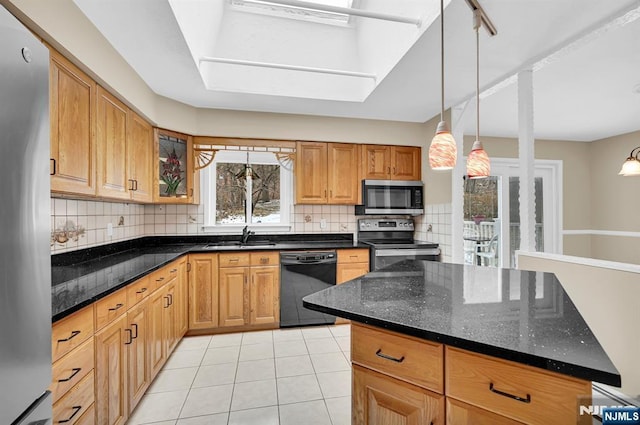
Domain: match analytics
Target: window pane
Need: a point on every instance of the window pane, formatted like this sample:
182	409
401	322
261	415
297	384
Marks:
266	194
230	193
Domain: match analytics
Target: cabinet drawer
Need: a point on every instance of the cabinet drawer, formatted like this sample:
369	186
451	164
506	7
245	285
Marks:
138	291
71	331
410	359
460	413
70	369
234	259
110	307
70	408
353	255
520	392
162	276
265	258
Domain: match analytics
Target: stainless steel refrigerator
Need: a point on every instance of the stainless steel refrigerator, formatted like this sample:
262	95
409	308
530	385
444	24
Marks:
25	262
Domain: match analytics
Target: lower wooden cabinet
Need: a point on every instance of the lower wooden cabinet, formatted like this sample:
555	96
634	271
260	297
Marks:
203	291
460	413
137	351
234	296
264	294
103	377
111	372
381	400
352	263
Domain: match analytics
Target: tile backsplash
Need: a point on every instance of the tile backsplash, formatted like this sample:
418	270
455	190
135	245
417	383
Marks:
435	226
79	224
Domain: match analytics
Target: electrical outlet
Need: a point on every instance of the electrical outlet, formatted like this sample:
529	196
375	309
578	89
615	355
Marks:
323	223
109	229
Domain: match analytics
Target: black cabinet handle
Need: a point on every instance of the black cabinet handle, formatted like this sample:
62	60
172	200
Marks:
170	299
174	270
73	335
135	182
168	304
160	280
76	409
130	336
135	325
119	305
505	394
53	173
141	291
75	372
131	184
379	353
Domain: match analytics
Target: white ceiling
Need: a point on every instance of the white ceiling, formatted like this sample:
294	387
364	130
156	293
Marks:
585	53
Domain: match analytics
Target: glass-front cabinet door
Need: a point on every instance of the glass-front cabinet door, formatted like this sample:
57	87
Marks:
175	181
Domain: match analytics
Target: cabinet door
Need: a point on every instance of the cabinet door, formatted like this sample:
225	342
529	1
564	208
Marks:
376	162
112	147
138	372
311	173
405	163
203	291
72	116
265	298
234	294
342	173
157	353
382	400
172	168
139	158
348	271
110	370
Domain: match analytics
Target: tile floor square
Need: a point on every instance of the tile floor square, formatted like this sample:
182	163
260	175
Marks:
322	345
221	355
226	340
290	348
207	401
335	384
257	337
329	362
259	416
295	389
287	334
307	413
217	374
194	343
173	380
256	351
248	395
188	358
158	407
339	410
218	419
293	366
316	332
256	370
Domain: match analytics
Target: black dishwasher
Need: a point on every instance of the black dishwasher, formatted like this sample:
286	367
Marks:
303	273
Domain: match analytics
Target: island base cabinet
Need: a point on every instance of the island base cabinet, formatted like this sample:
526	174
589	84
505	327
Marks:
381	400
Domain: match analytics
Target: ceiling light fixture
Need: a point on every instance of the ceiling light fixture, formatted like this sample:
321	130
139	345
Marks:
631	166
478	163
442	151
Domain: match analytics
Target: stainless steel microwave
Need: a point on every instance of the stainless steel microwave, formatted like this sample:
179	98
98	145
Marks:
391	197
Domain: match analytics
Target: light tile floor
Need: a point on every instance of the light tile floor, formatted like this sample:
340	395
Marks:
281	377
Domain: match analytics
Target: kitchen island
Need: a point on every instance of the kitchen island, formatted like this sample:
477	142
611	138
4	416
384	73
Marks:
484	345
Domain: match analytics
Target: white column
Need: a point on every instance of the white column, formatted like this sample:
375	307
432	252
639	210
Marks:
526	158
459	115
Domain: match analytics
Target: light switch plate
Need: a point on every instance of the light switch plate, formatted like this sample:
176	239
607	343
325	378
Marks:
323	223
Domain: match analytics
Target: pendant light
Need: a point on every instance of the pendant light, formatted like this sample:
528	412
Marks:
443	151
631	166
478	164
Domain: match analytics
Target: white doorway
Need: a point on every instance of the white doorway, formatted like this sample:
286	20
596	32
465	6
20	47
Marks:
491	212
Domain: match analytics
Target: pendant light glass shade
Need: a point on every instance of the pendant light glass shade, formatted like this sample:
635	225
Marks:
478	164
443	151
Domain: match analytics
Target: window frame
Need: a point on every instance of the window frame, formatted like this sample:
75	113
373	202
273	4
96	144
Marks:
209	197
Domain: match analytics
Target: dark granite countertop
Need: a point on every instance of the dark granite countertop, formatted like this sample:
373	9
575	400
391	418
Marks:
516	315
79	278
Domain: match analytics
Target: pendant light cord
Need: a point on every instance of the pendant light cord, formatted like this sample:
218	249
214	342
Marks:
441	60
477	78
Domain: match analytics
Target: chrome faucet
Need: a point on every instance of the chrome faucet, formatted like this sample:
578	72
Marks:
245	234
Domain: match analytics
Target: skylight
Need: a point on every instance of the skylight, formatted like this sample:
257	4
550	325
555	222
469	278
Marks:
266	7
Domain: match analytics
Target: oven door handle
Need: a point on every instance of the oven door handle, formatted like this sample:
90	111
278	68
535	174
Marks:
399	252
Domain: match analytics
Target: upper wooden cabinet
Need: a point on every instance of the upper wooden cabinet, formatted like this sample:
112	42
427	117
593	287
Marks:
381	162
175	177
326	173
73	120
125	151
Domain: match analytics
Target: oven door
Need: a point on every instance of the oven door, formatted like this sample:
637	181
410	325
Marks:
385	257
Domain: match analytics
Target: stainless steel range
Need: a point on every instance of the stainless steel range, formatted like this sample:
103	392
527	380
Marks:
391	241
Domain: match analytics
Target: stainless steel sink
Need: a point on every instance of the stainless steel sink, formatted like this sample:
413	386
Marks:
238	244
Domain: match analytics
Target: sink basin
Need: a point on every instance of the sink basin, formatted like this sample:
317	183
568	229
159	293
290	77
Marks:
238	244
